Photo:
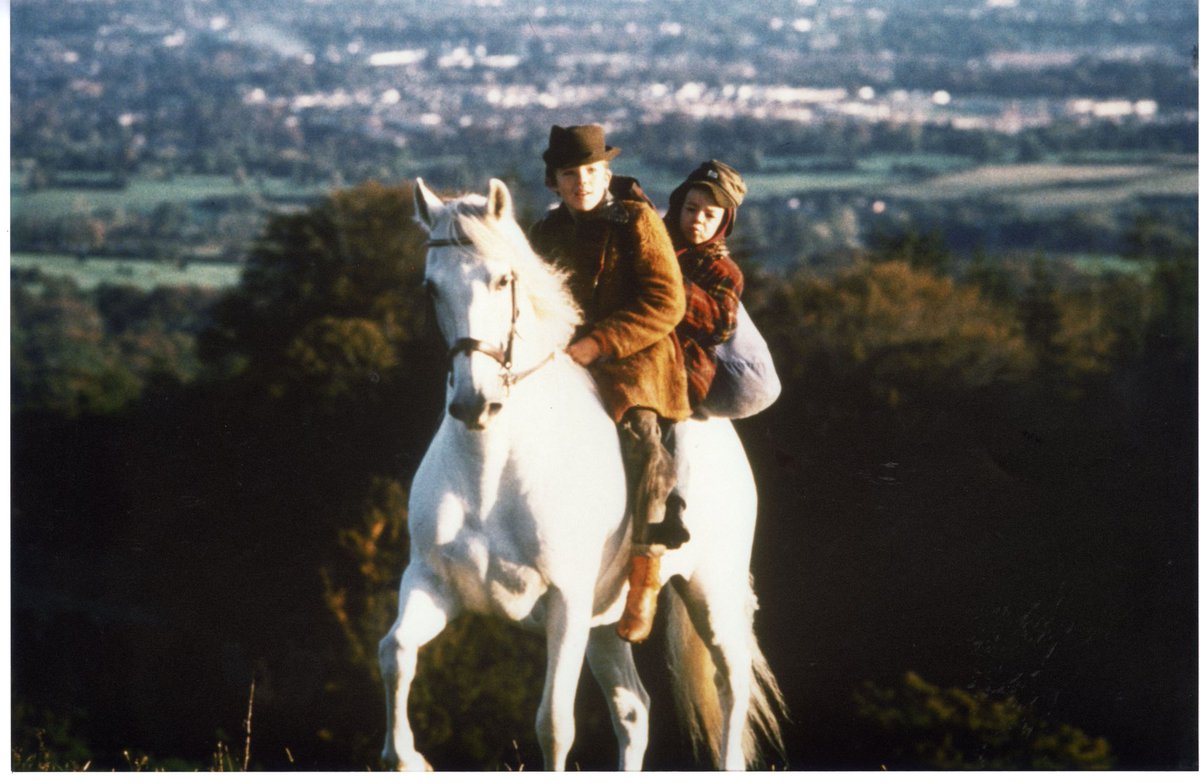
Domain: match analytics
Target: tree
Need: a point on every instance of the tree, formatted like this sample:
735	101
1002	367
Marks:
62	358
355	255
1041	315
920	250
896	334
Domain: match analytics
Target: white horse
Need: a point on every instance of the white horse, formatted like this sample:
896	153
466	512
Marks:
518	510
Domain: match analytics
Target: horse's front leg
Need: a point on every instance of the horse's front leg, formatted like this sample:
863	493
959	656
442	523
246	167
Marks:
611	661
424	612
567	624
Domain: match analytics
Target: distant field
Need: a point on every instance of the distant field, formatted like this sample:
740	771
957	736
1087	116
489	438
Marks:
1058	186
1103	181
1108	264
868	174
1096	181
776	185
916	161
807	174
145	275
144	194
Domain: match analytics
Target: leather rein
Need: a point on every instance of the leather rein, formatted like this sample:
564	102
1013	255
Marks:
501	355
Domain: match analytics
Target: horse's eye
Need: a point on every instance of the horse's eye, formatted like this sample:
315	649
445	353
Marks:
429	288
503	281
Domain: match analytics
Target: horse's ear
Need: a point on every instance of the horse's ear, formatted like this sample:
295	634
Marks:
499	206
425	202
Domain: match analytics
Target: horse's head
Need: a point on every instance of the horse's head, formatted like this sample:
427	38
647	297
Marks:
491	294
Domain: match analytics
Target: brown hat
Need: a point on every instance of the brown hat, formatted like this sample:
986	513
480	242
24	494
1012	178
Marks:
577	145
726	185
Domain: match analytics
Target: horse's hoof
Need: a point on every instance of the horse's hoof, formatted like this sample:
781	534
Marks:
412	763
417	763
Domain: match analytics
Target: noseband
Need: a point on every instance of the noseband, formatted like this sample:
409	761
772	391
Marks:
500	355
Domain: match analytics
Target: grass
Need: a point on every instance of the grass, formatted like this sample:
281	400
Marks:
142	274
940	163
1098	264
1058	186
777	185
51	753
1101	180
1053	185
870	174
143	194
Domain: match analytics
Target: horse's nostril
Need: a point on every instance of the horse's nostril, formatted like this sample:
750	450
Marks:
469	414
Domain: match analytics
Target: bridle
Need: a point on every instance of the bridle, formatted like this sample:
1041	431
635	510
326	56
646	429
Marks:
501	355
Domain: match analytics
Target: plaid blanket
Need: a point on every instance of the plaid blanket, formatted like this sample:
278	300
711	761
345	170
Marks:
713	285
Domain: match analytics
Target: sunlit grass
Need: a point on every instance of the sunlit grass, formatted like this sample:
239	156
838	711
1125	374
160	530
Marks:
143	194
1059	186
141	274
53	748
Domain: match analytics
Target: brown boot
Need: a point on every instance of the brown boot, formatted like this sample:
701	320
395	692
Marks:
644	585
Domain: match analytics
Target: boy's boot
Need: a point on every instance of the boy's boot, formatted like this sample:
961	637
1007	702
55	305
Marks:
671	532
644	583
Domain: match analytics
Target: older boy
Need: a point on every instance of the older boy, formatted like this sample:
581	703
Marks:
625	278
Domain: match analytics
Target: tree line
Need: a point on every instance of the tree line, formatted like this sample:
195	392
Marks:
979	472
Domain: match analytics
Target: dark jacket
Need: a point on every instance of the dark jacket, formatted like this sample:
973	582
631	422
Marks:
624	275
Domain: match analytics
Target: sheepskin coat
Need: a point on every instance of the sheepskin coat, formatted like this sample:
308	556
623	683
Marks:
624	275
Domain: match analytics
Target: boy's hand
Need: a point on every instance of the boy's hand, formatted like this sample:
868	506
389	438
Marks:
584	351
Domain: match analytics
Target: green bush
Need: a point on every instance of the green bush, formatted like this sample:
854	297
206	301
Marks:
929	727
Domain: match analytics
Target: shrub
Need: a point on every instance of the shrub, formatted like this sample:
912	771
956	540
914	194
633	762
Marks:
929	727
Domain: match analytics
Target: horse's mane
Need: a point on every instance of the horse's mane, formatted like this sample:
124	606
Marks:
544	284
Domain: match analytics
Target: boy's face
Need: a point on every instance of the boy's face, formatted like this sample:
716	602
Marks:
582	188
700	216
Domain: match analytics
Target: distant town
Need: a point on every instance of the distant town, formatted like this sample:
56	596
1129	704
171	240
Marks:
330	93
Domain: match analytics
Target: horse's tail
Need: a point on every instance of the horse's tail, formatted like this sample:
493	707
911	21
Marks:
696	698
